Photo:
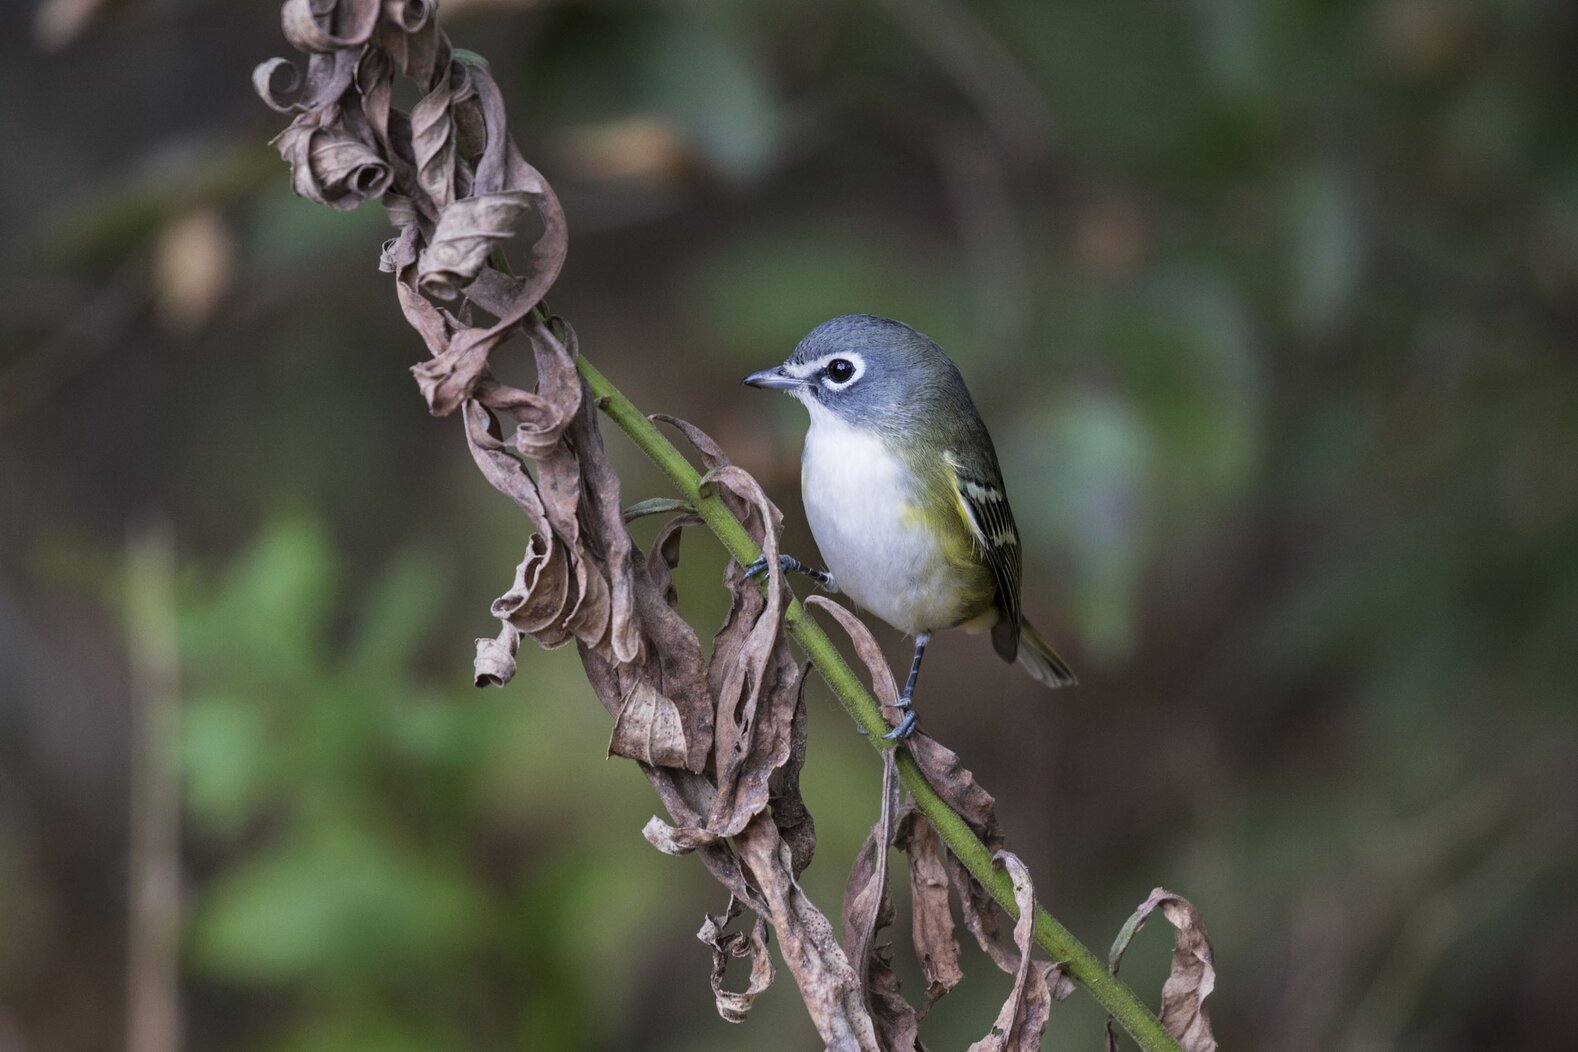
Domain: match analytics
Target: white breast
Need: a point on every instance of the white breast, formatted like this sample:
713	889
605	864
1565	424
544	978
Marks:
855	494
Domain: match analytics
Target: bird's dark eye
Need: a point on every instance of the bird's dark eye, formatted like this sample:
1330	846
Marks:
839	370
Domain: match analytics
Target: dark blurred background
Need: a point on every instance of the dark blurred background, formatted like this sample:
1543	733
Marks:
1272	308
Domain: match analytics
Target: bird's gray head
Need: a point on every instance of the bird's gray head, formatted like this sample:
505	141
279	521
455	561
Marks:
869	372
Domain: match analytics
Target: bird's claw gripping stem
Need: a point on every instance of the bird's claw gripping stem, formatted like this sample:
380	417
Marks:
789	564
906	725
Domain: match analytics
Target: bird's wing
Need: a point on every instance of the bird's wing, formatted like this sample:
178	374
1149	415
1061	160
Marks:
984	506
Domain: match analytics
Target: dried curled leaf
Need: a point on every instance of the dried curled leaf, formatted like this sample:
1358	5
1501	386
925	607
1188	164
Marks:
883	688
753	677
790	814
1023	1018
316	25
712	455
409	15
931	917
578	579
867	909
681	840
1193	973
829	984
330	165
434	149
495	662
959	789
467	232
733	1005
649	729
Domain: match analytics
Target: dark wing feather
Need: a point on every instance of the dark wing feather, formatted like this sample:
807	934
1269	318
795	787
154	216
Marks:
992	524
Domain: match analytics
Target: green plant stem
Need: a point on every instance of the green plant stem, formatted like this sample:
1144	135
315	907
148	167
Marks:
1113	994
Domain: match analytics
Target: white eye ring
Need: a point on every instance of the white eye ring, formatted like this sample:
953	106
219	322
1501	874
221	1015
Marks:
853	359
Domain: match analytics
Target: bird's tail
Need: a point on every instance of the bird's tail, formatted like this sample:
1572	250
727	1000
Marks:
1041	661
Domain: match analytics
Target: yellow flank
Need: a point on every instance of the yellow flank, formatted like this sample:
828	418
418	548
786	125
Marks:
942	515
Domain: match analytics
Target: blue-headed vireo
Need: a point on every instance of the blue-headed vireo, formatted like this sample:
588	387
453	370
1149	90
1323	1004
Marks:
903	492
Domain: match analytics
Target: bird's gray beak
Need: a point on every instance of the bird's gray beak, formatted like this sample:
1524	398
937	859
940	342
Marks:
774	379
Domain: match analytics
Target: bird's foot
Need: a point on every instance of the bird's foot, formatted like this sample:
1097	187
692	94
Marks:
906	725
789	564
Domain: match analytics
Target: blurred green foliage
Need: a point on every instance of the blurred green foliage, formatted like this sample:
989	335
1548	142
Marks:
1271	306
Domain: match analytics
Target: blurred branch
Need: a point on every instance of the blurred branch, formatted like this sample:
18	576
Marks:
88	333
1446	917
994	245
153	1011
1079	962
966	49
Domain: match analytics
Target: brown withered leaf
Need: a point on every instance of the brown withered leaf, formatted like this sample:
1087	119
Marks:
467	231
578	577
456	179
931	917
1193	973
664	556
501	167
409	15
494	665
434	149
449	378
671	663
686	794
329	164
677	840
421	53
982	916
828	983
753	677
452	375
1023	1018
388	129
867	909
610	541
883	687
734	1004
670	656
500	467
543	415
562	591
316	25
647	641
541	599
790	814
958	787
649	729
284	89
867	886
712	454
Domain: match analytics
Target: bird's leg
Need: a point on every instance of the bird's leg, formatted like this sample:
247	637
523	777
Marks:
906	726
789	564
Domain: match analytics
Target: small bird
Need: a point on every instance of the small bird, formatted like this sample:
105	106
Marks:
903	493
